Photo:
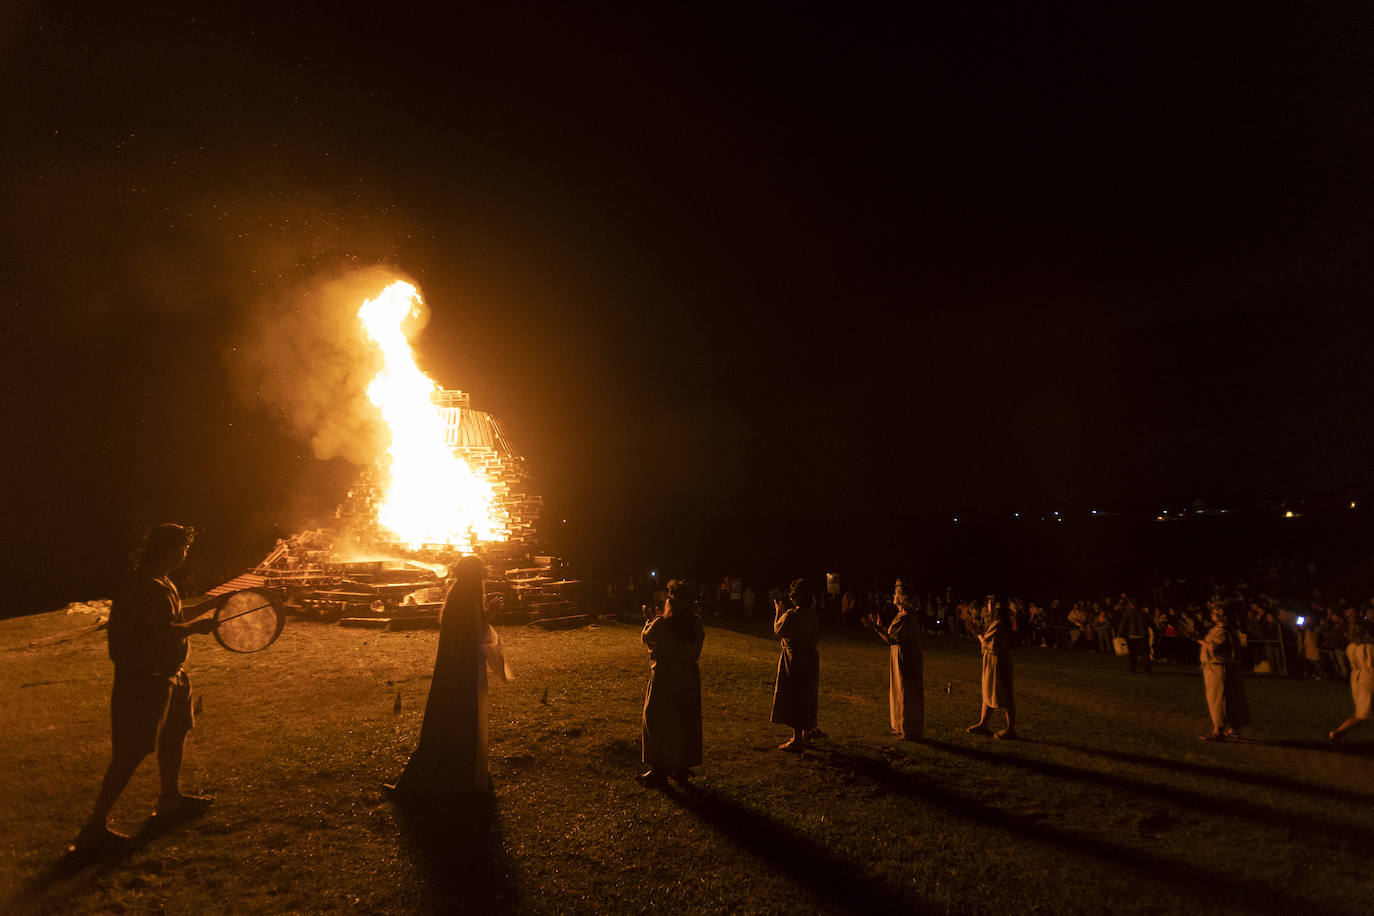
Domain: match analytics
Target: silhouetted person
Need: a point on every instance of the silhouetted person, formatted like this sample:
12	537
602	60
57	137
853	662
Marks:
997	672
906	690
1226	702
150	704
1361	655
672	701
796	692
449	765
1135	627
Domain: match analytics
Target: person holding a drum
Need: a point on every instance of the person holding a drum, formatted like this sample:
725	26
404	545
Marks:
151	701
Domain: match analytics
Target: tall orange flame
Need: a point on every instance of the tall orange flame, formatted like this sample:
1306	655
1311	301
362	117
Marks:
433	498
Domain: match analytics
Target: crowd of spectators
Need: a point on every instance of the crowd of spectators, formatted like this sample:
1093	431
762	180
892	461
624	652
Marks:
1292	638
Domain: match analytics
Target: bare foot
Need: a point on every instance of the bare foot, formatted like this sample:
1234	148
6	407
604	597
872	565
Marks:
179	805
979	729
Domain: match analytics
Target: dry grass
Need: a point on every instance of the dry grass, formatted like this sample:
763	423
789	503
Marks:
1110	803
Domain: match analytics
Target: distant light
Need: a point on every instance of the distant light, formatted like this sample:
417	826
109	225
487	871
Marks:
1016	515
1094	512
653	574
565	521
1160	518
1302	620
956	518
1288	514
1056	511
1352	504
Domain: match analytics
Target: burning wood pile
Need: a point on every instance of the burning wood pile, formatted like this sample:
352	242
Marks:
318	581
449	485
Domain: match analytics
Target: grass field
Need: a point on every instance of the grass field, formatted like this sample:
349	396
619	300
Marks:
1108	804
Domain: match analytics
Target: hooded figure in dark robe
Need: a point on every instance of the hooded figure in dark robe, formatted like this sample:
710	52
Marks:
450	759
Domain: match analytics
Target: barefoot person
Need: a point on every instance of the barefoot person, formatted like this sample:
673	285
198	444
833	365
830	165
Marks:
796	691
997	693
672	702
1360	651
906	692
1226	700
150	705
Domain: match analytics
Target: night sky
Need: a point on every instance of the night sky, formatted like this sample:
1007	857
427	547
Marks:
769	265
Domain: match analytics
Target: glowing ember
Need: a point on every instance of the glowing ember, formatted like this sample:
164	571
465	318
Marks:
432	497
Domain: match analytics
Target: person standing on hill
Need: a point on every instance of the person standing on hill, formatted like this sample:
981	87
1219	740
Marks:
150	704
672	701
906	691
796	692
1360	651
997	671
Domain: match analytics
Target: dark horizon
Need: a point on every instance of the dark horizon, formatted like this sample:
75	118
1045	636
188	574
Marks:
769	267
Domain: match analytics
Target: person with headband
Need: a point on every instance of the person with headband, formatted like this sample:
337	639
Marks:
151	703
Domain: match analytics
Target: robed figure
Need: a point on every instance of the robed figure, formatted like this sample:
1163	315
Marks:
450	758
672	701
1226	701
1360	651
796	692
997	671
906	690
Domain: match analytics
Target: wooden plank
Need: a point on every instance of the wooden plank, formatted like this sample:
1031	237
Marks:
365	623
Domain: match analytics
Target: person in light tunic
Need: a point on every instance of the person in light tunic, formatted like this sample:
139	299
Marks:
906	691
796	692
997	671
1360	651
1221	678
672	700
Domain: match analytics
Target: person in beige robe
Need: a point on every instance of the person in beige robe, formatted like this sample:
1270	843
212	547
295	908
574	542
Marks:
672	700
1221	679
997	671
1360	651
906	689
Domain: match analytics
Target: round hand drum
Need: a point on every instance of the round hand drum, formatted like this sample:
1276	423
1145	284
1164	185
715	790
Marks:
249	620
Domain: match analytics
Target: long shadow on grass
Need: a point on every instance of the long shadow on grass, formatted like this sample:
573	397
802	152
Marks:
1202	801
1283	783
1220	887
462	851
797	856
89	865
